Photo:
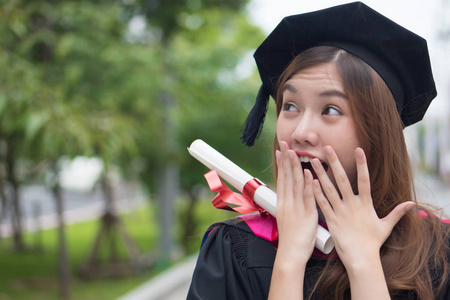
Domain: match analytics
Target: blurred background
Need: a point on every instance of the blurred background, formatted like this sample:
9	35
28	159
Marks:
99	101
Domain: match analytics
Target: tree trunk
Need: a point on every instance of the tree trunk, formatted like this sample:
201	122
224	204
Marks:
110	210
167	195
188	221
63	260
4	200
168	176
111	231
19	245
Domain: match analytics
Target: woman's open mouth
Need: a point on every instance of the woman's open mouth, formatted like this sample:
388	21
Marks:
307	165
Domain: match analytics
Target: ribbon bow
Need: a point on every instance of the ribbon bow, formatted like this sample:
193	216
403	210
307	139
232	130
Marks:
228	200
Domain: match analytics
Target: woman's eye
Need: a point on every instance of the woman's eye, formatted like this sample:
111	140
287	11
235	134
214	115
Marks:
331	111
289	107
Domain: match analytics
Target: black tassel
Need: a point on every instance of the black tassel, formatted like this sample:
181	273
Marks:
255	119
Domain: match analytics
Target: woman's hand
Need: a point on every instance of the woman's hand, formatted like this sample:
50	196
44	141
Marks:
297	219
297	215
352	220
357	231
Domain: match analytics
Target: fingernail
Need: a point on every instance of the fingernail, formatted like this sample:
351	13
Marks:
277	154
411	206
282	146
316	163
308	174
360	152
316	183
328	150
292	154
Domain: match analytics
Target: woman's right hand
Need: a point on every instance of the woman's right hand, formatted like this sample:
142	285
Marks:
297	215
297	220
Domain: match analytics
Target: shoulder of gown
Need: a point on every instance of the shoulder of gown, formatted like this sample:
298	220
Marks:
233	263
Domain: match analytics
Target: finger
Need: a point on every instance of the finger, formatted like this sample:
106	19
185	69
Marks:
322	201
283	184
288	180
298	178
280	178
309	199
283	146
339	174
363	174
329	189
399	211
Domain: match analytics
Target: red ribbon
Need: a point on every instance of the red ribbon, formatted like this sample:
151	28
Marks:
228	200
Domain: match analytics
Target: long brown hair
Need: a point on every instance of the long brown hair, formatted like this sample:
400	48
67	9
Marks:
414	257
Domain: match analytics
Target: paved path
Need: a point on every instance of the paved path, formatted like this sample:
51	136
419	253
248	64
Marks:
78	207
172	284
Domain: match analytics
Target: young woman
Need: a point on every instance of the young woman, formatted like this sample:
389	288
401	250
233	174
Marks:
342	102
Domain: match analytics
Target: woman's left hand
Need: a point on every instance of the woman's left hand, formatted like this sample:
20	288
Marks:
357	231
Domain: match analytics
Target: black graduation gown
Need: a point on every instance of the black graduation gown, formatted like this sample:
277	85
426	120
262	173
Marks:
235	264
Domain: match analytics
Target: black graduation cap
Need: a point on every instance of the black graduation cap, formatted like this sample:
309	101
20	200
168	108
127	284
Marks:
398	55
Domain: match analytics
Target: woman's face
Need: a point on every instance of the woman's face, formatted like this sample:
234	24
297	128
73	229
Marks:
316	113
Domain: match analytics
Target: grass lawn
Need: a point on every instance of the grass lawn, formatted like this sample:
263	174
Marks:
33	274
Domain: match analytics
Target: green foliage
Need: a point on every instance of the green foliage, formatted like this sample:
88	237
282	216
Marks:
32	274
169	16
75	85
211	97
215	98
77	82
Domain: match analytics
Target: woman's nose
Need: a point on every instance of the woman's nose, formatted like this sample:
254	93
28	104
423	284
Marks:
306	131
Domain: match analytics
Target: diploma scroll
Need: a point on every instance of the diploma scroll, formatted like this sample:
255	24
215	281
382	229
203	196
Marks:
237	177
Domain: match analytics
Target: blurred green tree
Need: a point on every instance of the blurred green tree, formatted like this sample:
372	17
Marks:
203	94
18	85
69	77
214	100
85	78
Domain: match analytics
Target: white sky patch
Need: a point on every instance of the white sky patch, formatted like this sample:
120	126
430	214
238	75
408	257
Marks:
416	15
245	67
137	25
81	173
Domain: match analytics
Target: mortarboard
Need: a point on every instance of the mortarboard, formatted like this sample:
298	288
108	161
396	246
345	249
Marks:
398	55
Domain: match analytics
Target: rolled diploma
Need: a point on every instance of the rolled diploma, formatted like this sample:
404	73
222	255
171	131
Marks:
237	177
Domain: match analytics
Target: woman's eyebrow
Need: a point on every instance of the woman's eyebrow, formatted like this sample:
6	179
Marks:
333	93
290	88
